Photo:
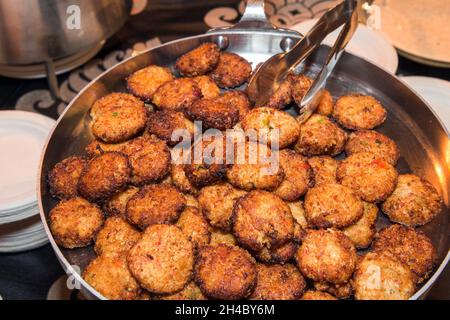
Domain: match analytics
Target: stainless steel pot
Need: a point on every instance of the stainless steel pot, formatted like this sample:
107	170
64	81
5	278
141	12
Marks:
34	31
422	139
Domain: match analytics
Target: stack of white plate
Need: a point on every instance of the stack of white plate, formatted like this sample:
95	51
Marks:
22	137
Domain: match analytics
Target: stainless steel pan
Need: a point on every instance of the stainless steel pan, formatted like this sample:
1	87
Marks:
423	141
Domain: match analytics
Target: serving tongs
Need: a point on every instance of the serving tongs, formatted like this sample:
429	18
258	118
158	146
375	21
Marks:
269	76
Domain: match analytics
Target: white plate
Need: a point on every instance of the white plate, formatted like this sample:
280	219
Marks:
434	91
366	43
23	235
22	137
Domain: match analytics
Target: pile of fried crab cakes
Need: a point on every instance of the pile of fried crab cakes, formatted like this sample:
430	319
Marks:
307	230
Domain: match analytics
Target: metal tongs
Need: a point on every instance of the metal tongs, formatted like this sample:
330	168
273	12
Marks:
269	76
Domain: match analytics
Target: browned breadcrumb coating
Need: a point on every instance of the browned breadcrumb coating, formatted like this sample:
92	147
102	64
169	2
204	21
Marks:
411	247
258	168
317	295
221	237
326	104
300	222
374	142
213	114
75	222
272	126
104	175
262	220
327	256
144	82
363	231
278	282
225	272
117	205
164	124
320	136
324	168
371	177
381	276
332	205
162	260
191	201
155	204
300	86
198	61
209	88
414	202
281	254
97	147
341	291
231	71
217	202
283	95
63	178
177	94
180	180
118	117
359	112
116	237
190	292
236	99
298	176
110	276
194	226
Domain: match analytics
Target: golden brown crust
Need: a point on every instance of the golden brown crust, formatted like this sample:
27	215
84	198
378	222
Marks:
104	176
164	123
281	254
283	95
326	105
414	202
317	295
231	71
236	99
213	114
144	82
371	177
324	168
195	227
278	282
411	247
75	222
300	86
97	147
63	178
341	291
155	204
180	180
359	112
118	117
300	222
198	61
225	272
363	231
162	260
327	256
209	88
220	237
262	220
177	94
117	205
190	292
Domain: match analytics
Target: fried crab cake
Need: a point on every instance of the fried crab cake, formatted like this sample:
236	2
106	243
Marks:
110	276
236	99
191	201
283	95
63	178
75	222
177	94
381	276
332	205
317	295
371	178
363	231
327	256
320	136
341	291
117	205
97	147
198	61
272	126
162	260
262	220
209	88
164	124
281	254
278	282
300	86
118	117
326	105
115	237
155	204
217	202
298	176
231	71
213	114
104	176
373	142
220	237
357	112
190	292
143	83
410	246
180	180
300	222
414	202
324	168
225	272
195	227
255	166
